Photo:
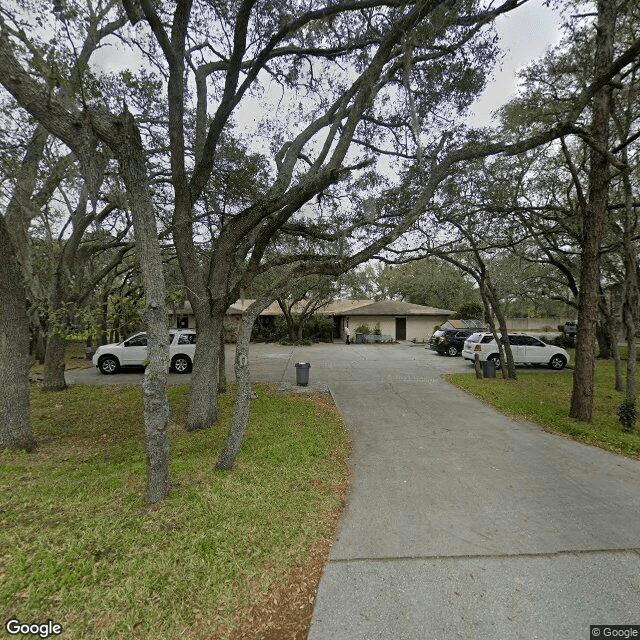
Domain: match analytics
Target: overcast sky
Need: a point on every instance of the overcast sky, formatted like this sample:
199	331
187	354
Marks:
525	35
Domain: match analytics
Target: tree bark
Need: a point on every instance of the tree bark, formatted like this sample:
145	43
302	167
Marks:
594	220
491	303
156	405
203	412
617	365
604	338
504	332
631	289
53	376
222	374
15	421
244	394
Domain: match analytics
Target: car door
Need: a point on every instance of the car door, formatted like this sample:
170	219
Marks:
460	339
517	348
535	350
134	350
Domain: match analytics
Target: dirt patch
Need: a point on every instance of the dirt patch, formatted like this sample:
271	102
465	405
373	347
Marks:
284	611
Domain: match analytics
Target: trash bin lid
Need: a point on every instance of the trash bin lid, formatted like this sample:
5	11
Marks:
302	364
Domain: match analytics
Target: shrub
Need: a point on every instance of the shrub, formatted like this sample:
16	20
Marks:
376	330
319	328
363	328
563	341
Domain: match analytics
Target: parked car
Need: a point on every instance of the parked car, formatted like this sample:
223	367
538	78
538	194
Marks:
525	349
570	328
110	358
449	341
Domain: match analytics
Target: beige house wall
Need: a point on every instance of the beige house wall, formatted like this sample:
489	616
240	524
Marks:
418	327
422	327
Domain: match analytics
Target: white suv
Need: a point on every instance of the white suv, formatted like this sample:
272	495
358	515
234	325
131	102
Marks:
109	358
525	349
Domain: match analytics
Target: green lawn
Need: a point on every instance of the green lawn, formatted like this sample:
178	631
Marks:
80	547
545	398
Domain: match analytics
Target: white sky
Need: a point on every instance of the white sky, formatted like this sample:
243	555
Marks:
525	34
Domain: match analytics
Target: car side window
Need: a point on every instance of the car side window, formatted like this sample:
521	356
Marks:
516	341
187	338
137	341
487	339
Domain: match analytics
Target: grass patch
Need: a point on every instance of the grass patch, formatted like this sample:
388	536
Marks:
80	547
545	399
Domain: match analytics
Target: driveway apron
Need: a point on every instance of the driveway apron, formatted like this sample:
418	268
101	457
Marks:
463	523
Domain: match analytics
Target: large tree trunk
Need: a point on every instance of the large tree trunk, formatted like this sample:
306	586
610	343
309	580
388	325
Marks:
53	377
156	404
595	217
243	387
15	421
203	412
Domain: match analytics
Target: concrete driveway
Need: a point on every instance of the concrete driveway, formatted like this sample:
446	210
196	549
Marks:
460	522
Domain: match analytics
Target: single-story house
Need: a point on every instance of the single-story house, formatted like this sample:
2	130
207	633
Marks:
400	320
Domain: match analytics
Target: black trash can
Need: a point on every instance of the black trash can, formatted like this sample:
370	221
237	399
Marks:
359	338
302	373
488	369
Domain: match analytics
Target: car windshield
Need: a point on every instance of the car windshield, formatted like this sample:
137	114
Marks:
474	337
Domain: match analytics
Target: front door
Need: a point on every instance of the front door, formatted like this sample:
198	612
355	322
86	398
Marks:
401	328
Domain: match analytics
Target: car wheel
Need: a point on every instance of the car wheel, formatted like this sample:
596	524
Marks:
181	364
557	362
108	365
495	358
452	351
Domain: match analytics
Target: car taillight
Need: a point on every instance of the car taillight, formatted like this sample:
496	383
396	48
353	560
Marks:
477	348
442	339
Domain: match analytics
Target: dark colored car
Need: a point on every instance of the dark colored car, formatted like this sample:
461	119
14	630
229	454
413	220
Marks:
449	341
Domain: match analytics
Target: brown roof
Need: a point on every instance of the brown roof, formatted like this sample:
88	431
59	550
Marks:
335	307
397	308
342	308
